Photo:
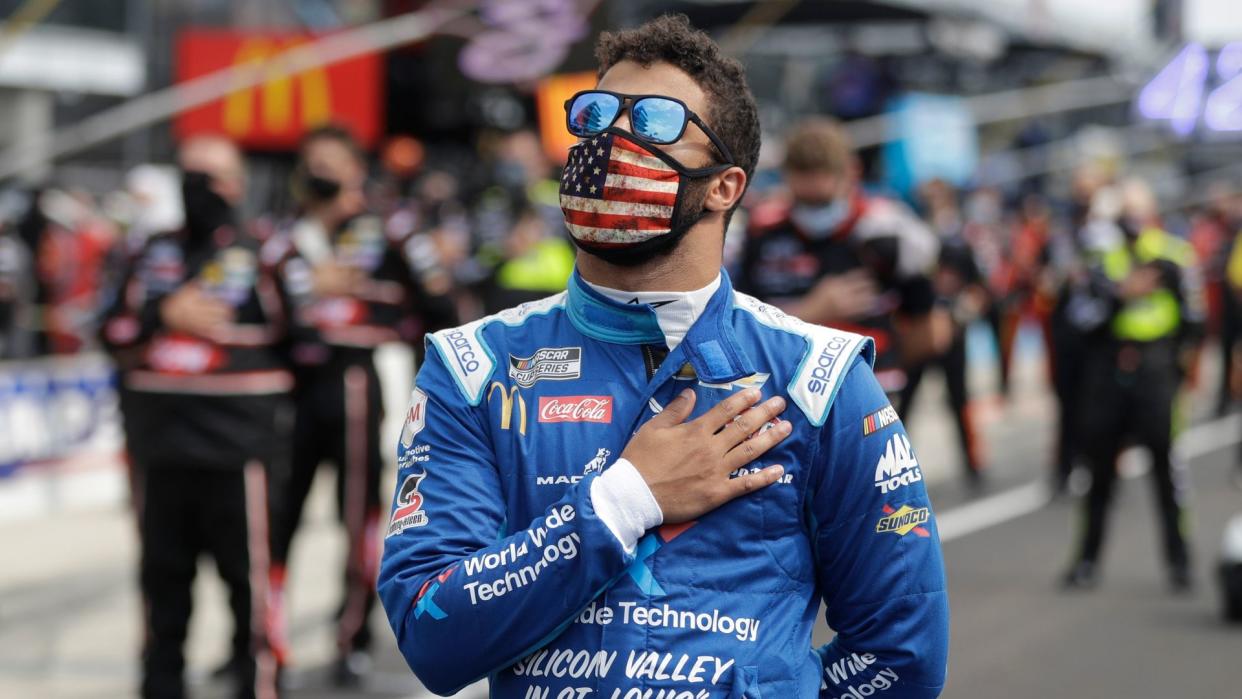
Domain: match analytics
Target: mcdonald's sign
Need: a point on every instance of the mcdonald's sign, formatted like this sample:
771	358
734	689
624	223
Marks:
509	396
276	113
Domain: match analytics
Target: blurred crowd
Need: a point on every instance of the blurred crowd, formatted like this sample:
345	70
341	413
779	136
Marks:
178	280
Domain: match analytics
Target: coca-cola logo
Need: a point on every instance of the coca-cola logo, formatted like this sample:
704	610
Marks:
575	409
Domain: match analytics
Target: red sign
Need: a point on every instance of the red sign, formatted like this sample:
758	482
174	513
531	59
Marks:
274	115
575	409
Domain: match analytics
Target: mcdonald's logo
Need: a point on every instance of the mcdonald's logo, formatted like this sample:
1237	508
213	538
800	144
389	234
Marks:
275	114
509	396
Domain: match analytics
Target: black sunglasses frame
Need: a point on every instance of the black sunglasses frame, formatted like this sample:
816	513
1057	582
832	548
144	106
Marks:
628	102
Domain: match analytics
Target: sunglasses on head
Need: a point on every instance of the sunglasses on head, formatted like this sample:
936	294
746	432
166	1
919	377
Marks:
654	118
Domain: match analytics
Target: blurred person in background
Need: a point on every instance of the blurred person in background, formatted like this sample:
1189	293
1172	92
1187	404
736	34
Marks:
960	290
834	255
353	287
196	329
74	248
1148	321
1019	285
1076	309
1232	340
17	286
523	253
532	263
1212	232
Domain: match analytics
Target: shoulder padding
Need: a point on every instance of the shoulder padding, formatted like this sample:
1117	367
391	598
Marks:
827	358
468	356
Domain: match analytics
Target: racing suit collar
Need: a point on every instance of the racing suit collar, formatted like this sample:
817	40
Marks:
710	345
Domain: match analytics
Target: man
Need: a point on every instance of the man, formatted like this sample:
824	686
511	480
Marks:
834	255
1142	336
959	289
195	328
353	287
594	497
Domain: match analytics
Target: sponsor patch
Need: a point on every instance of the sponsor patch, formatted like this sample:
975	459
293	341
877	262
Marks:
415	417
182	354
879	420
575	409
752	381
897	466
549	363
904	520
409	512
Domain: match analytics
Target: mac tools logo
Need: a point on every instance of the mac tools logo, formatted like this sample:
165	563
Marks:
552	363
897	467
575	409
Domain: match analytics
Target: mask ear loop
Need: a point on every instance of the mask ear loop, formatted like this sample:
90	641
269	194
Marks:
695	173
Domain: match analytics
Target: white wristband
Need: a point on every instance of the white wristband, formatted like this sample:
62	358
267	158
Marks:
622	499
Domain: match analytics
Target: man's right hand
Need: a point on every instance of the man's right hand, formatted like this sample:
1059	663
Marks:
687	464
333	279
837	298
191	311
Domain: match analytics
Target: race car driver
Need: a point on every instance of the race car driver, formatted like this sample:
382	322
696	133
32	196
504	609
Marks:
645	486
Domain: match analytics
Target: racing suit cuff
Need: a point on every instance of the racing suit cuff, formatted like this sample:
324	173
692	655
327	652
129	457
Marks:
623	501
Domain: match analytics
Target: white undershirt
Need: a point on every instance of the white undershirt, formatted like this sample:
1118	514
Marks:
675	311
620	496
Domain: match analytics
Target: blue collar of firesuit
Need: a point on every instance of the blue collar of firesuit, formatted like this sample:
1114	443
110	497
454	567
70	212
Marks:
710	344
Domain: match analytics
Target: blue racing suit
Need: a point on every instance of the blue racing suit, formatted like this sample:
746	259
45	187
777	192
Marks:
499	563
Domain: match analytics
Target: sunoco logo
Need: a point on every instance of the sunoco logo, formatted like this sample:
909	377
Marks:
552	363
904	520
463	351
824	363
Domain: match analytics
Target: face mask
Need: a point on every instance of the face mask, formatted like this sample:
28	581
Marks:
820	221
205	211
320	189
628	203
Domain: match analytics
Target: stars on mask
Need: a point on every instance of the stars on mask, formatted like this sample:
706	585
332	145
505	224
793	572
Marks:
582	176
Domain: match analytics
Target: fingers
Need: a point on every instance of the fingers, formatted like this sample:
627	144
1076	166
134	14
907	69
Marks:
724	411
744	425
758	445
751	482
676	411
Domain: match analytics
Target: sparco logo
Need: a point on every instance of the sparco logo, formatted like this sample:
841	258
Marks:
824	364
575	409
553	363
463	349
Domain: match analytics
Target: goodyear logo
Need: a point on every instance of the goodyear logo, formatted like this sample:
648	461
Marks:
904	520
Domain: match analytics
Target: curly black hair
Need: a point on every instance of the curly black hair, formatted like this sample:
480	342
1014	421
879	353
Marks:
671	39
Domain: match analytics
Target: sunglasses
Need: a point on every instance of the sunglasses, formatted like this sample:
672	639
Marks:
654	118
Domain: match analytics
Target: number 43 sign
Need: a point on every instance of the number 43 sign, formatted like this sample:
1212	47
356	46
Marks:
1176	94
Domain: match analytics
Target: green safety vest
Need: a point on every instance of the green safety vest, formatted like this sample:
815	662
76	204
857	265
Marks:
1158	314
546	267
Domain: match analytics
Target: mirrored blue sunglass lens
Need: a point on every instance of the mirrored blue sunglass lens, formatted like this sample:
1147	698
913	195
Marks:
592	113
658	120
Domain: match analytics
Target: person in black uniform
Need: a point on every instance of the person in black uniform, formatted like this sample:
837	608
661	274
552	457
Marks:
959	288
354	286
196	328
1149	318
834	255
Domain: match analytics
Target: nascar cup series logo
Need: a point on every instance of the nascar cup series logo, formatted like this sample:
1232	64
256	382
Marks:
551	363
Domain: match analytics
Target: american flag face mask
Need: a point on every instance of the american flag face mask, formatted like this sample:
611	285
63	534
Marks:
618	193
